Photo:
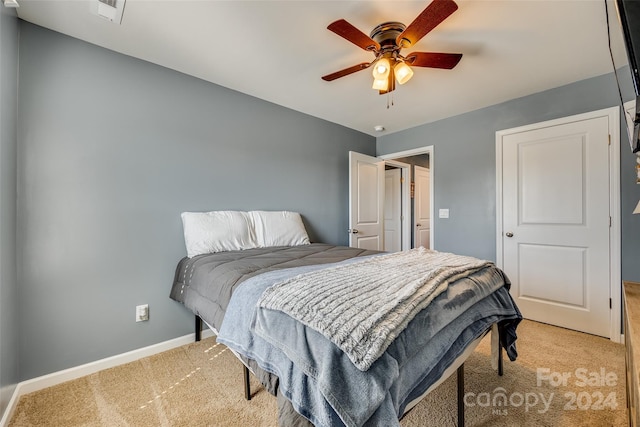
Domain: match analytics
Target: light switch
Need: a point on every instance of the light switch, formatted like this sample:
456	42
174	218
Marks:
443	213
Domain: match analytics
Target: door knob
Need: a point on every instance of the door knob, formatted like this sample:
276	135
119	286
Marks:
509	234
418	225
352	231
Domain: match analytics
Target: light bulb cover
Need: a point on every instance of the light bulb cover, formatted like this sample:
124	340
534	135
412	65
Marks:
380	84
403	72
381	69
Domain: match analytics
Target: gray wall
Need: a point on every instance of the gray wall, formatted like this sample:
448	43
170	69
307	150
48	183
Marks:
464	165
8	139
111	151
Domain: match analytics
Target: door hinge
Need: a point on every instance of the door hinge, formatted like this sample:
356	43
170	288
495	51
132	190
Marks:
610	304
609	139
610	222
402	180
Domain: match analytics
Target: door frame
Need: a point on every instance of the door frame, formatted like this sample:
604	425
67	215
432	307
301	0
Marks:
405	200
407	226
615	280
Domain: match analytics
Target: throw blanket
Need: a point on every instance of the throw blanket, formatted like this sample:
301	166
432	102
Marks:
362	307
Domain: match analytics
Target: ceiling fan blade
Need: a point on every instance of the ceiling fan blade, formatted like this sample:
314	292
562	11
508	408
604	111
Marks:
354	35
433	59
346	71
434	14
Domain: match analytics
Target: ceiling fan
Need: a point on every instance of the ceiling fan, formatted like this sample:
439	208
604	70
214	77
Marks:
387	39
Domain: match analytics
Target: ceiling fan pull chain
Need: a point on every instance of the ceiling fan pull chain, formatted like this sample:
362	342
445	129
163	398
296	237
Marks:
389	99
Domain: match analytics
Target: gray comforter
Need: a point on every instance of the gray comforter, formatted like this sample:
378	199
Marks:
205	283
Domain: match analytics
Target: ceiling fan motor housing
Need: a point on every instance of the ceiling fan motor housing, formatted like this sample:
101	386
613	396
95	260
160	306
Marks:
386	33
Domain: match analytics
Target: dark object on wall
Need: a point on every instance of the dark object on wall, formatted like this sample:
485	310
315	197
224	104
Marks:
624	44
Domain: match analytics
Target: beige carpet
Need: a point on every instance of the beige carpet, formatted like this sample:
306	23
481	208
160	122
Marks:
201	385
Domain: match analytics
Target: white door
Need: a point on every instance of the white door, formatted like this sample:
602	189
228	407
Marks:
422	207
366	198
392	210
555	184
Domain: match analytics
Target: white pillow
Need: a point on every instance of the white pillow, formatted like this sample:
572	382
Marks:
280	228
217	231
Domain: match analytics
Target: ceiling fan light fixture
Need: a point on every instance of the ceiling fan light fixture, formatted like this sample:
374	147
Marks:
380	84
403	72
381	69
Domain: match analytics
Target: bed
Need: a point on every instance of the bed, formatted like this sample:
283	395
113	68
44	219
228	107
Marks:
251	293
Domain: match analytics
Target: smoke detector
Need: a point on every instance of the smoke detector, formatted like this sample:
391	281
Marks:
108	9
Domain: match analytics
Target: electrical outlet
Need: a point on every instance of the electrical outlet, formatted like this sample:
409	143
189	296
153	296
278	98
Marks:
142	312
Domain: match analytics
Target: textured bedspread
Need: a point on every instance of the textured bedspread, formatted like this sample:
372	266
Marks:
362	307
326	387
205	283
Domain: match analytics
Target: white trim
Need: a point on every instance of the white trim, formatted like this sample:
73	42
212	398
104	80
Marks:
615	284
499	224
414	152
615	231
55	378
13	402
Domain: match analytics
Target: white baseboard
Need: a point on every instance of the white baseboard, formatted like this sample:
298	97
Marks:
11	406
55	378
7	395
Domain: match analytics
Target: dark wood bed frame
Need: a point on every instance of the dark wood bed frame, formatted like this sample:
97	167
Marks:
459	375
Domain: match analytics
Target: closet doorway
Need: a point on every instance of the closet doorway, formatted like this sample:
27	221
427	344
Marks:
420	174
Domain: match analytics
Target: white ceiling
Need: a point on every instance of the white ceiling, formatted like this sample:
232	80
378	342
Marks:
278	50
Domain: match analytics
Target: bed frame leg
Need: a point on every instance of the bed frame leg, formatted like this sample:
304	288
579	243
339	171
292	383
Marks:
198	328
461	396
247	386
500	359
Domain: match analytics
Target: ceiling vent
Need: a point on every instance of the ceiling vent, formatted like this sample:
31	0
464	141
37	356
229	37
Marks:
108	9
